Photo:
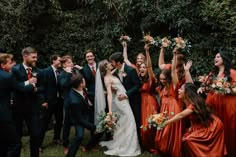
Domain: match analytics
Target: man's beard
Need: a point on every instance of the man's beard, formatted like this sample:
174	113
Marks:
31	64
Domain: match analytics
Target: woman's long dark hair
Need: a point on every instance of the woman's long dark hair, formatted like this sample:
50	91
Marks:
201	109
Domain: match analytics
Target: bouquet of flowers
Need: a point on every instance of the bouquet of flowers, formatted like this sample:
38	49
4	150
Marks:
216	84
165	42
124	38
181	44
149	40
107	122
157	120
221	85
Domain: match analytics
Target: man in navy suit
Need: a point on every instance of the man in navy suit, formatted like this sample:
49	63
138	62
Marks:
79	108
89	73
53	99
26	106
131	82
8	144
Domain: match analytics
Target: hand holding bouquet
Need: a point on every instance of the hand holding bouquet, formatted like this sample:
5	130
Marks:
107	122
157	120
221	85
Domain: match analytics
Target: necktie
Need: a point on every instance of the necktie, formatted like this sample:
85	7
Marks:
93	70
28	73
57	72
86	99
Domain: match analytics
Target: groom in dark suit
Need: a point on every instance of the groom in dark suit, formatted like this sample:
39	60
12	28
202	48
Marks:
130	80
79	107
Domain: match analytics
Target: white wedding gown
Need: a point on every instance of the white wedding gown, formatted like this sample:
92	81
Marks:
125	138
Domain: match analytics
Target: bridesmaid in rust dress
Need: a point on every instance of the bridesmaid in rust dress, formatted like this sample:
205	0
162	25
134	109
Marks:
224	105
205	137
168	141
149	103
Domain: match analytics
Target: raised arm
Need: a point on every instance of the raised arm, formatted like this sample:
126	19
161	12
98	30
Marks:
126	60
179	116
188	76
174	75
161	61
149	63
109	93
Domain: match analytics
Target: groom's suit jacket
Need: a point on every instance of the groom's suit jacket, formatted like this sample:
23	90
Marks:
79	110
132	85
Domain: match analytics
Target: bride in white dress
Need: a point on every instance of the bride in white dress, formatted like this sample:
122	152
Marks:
125	138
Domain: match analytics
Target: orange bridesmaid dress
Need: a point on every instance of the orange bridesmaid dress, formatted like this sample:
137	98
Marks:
225	108
201	141
149	106
168	141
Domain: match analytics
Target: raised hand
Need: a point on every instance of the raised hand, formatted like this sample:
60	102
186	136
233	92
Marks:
124	44
146	47
188	65
78	67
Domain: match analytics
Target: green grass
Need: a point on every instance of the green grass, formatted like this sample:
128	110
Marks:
52	150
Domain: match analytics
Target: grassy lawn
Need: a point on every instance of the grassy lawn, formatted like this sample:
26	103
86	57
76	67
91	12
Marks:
52	150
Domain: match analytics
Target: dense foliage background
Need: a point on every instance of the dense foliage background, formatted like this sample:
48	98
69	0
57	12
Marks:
72	26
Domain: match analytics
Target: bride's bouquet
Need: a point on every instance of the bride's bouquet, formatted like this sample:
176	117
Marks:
107	122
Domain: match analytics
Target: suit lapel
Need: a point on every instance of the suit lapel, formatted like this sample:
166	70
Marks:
88	69
52	74
85	103
23	71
